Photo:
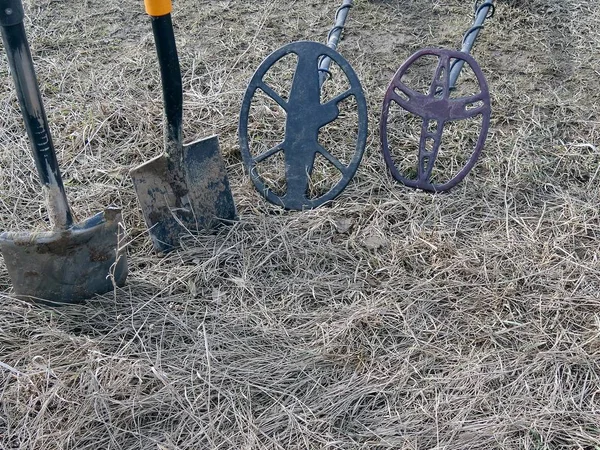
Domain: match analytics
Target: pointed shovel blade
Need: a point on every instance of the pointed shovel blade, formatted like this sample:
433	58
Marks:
195	198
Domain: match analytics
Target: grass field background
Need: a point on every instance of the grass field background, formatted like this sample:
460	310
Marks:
389	319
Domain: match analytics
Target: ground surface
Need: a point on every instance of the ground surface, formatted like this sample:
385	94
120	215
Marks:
389	319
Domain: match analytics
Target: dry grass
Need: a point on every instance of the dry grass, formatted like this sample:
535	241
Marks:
390	319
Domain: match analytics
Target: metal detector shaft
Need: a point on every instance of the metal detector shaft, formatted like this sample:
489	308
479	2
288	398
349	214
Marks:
32	108
470	37
334	38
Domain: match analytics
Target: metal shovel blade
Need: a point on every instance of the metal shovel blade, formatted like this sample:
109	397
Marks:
66	266
177	201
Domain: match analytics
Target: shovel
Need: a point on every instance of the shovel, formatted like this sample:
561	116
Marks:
74	261
186	188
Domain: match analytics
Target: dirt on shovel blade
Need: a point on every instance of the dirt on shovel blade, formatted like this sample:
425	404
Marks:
177	202
66	266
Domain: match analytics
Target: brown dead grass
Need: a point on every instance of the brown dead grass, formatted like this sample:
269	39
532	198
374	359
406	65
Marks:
390	319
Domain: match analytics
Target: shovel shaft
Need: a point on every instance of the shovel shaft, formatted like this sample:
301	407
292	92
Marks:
32	109
172	87
334	38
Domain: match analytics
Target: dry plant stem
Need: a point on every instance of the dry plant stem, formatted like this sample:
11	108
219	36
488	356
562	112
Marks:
393	319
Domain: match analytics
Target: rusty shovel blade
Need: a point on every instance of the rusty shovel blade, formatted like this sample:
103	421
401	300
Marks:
67	266
178	199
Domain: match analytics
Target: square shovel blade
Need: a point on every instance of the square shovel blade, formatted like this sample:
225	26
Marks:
193	198
66	266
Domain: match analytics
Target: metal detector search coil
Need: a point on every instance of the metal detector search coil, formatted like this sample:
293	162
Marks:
437	109
306	116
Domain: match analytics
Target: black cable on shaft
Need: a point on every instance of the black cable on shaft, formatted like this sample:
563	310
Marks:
487	7
333	38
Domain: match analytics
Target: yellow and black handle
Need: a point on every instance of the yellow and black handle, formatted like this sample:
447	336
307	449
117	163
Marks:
158	8
170	72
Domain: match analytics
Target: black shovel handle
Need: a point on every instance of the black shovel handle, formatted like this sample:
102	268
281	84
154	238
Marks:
170	73
32	109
